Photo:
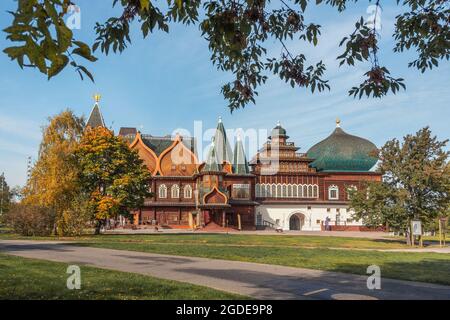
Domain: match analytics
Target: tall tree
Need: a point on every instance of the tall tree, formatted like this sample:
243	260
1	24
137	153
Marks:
416	183
54	177
237	32
112	174
5	195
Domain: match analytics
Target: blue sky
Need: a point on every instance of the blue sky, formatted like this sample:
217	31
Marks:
167	81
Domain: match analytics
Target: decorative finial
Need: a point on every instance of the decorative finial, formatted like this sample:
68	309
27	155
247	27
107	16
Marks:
220	119
97	97
238	136
278	123
338	123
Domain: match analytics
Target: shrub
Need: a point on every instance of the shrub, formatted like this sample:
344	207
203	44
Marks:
31	220
75	219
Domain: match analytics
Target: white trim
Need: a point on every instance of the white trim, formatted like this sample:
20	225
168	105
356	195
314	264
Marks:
333	188
162	191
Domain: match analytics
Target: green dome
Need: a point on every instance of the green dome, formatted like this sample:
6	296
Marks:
343	152
278	131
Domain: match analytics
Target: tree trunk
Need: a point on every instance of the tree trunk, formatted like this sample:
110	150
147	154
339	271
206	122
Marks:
98	226
408	237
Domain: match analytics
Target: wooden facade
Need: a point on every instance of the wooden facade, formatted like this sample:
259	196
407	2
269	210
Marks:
224	192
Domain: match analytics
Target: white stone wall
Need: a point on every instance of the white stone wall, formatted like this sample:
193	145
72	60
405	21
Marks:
279	214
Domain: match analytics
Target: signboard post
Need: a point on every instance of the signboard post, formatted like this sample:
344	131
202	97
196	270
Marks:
416	230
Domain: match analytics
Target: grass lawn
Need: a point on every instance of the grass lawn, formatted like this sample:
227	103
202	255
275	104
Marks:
426	267
234	240
314	252
22	278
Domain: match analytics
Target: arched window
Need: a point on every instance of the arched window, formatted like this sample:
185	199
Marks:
310	191
162	191
290	191
316	191
350	189
267	192
279	192
305	191
294	191
175	191
273	190
284	191
188	191
300	191
333	192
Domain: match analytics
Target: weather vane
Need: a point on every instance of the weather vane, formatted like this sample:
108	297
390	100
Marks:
97	97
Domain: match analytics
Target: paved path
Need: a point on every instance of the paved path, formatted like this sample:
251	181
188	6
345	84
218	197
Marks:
252	279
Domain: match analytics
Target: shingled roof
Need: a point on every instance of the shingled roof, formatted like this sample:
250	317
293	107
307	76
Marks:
157	144
240	164
212	163
95	118
222	146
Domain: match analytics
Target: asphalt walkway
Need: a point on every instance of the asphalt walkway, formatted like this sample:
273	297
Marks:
260	281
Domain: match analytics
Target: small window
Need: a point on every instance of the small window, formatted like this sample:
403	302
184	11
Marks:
333	193
162	192
309	207
175	191
310	191
318	221
328	209
315	191
284	192
294	191
188	191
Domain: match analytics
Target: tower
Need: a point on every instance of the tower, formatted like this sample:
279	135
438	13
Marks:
222	146
240	164
95	118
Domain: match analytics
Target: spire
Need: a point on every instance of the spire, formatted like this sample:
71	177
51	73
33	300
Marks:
211	161
223	149
240	164
95	118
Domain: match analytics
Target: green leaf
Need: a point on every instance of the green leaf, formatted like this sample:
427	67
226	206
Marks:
57	66
86	72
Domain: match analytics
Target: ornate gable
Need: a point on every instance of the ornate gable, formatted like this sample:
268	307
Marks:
145	153
177	160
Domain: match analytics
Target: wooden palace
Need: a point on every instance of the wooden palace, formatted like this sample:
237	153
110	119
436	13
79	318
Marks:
278	188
